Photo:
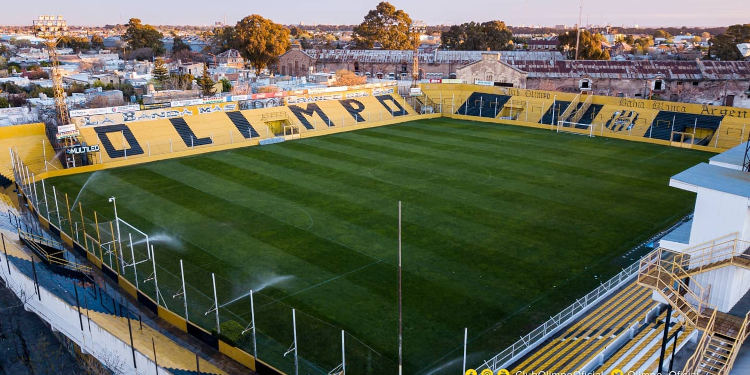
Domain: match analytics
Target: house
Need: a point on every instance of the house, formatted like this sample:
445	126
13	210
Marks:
231	58
543	44
194	69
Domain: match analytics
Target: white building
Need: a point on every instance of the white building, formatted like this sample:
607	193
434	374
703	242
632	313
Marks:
704	264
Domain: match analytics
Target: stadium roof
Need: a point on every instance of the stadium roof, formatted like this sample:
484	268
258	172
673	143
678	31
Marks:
435	57
636	69
732	158
730	181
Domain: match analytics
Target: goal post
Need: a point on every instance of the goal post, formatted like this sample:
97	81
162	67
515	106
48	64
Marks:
575	128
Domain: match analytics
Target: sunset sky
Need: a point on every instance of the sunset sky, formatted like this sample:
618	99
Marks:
525	12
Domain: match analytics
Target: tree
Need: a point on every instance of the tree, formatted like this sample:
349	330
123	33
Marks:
724	46
97	42
226	86
78	44
160	72
472	36
348	78
385	25
260	41
138	35
221	39
642	45
662	34
590	44
205	82
178	45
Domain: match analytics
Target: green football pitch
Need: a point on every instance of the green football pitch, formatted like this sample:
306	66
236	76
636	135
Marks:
503	226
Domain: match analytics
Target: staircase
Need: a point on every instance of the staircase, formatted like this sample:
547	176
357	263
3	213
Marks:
580	111
573	106
667	273
716	352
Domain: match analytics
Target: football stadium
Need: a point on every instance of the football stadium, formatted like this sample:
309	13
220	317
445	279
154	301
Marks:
456	228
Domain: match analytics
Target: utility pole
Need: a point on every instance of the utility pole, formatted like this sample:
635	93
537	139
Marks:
400	315
578	27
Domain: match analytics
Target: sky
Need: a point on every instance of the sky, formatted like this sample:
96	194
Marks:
433	12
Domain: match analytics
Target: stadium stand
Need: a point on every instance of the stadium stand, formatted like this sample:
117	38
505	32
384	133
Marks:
483	105
553	112
592	334
715	127
108	311
31	144
153	137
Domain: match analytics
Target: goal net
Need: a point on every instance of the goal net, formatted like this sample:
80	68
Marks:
575	128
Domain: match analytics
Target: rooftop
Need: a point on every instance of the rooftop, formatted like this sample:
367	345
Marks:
638	69
732	158
730	181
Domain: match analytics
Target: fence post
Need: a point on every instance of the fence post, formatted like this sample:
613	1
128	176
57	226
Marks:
57	208
5	250
83	224
216	302
70	217
132	349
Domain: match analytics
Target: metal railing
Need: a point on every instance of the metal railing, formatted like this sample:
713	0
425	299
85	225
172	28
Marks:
551	326
665	275
741	337
692	362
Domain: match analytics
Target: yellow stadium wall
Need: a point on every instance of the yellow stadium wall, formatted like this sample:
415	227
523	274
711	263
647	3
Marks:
30	141
531	105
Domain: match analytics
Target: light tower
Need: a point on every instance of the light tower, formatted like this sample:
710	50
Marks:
416	30
50	28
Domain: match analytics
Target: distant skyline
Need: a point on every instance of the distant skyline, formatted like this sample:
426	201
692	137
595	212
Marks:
645	13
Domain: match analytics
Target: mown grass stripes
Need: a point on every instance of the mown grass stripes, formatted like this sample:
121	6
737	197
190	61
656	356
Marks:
503	227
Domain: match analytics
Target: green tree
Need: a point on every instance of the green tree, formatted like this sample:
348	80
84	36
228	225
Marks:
260	40
78	44
178	45
724	46
4	103
221	39
472	36
590	45
226	86
138	35
385	25
662	34
97	42
205	82
160	72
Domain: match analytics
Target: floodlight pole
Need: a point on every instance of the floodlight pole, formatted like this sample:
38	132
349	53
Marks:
466	334
400	316
252	321
216	301
184	291
132	258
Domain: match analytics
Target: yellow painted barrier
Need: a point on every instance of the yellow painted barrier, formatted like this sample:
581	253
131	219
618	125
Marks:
127	286
238	355
172	318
